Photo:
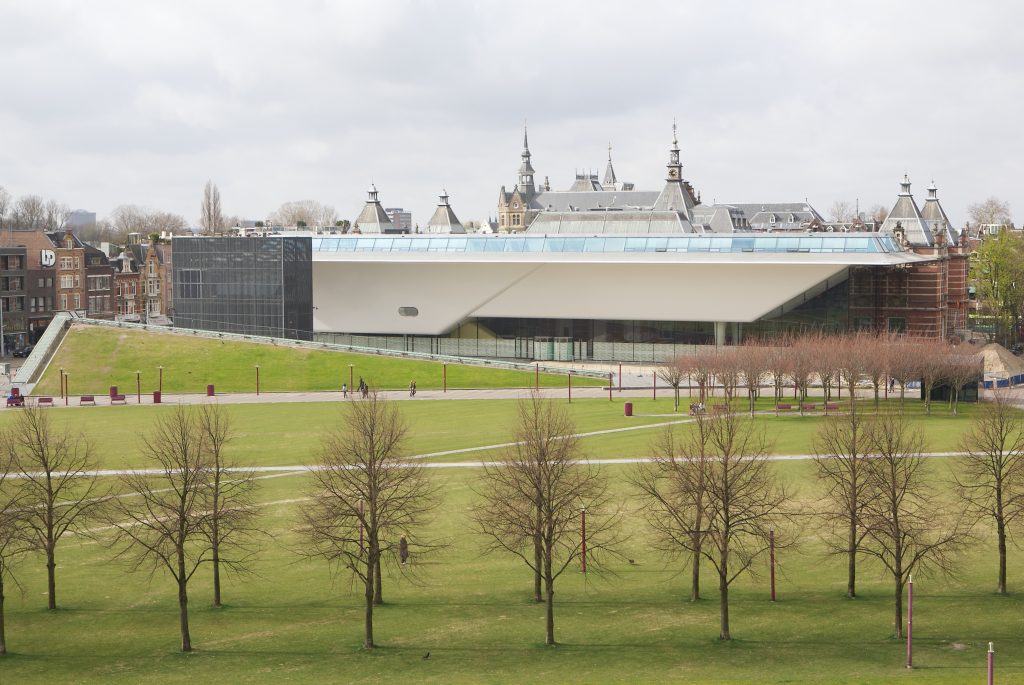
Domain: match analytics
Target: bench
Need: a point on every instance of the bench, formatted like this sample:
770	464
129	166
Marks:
696	409
45	402
831	406
783	407
720	409
87	399
118	399
808	407
16	401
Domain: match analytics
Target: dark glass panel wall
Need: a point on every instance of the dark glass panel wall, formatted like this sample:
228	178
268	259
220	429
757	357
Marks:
254	286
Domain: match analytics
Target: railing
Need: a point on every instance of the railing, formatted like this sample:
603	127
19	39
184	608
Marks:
43	351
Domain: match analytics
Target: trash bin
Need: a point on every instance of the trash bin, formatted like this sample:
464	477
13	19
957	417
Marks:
628	409
209	390
156	397
113	390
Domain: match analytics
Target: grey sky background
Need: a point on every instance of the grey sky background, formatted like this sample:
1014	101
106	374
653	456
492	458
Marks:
105	103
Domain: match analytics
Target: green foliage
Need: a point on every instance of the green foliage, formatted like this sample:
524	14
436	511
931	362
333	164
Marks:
997	271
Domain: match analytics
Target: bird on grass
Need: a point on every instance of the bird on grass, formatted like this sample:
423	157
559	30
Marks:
427	655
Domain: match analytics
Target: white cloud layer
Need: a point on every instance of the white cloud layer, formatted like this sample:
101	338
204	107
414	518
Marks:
109	102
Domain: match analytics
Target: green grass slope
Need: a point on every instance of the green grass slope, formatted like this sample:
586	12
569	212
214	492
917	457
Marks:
97	358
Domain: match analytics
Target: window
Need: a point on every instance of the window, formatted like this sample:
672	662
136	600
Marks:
67	282
49	281
897	324
78	262
190	283
66	263
119	290
78	301
99	282
41	282
63	301
153	287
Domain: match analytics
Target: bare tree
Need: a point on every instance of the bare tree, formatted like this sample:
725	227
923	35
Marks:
127	219
675	494
28	212
778	365
800	364
311	212
964	366
932	364
166	222
841	211
535	494
905	529
853	353
993	211
744	502
367	497
878	213
166	521
211	217
231	510
55	215
5	203
824	360
991	484
840	449
12	538
875	352
674	373
904	363
62	489
754	362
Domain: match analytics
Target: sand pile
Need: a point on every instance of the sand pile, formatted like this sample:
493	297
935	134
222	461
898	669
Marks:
1000	362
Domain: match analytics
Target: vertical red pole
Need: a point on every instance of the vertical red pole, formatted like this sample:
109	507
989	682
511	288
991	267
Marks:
67	387
360	525
444	380
991	665
570	387
620	376
654	385
910	621
771	550
583	540
536	382
257	381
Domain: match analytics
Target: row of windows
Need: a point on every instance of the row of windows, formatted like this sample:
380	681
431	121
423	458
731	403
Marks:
40	304
99	282
99	303
12	262
70	262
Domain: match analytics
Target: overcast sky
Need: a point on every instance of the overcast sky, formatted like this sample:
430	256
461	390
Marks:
104	103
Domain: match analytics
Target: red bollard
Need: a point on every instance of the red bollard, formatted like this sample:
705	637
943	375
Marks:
620	376
537	381
209	390
610	381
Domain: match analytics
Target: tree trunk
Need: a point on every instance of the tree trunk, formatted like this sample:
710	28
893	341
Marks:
216	568
695	577
549	584
186	638
538	560
1001	530
51	576
369	593
899	608
723	593
851	551
378	589
3	636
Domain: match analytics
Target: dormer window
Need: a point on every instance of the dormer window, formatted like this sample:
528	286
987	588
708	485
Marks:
515	205
771	219
792	219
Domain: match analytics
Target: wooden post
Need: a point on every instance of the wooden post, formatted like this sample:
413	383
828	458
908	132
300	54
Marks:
138	387
444	381
257	380
583	540
910	621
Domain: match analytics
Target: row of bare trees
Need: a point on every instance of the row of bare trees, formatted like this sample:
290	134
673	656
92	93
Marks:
711	496
192	507
835	362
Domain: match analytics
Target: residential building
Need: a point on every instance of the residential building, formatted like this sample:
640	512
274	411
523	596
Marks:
40	268
13	289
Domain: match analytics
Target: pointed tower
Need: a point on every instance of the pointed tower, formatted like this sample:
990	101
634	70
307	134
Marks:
444	219
526	172
373	218
905	217
933	213
676	195
609	173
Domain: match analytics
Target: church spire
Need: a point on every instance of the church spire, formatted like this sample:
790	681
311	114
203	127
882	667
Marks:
526	171
609	172
675	168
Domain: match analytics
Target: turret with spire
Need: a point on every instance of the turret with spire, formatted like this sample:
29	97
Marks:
444	219
526	172
609	172
933	213
373	218
677	195
906	217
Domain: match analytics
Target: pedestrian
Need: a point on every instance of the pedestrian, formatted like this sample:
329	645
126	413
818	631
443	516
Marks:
892	384
344	390
412	388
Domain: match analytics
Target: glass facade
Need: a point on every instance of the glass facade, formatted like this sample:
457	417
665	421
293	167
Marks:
254	286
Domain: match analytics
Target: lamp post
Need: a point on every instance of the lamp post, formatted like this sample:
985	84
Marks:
583	539
257	380
570	387
160	385
138	386
350	386
67	387
910	621
991	665
62	382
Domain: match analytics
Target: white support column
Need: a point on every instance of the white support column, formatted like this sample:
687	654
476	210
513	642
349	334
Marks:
719	333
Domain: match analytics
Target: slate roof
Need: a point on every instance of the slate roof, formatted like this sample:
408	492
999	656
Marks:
373	218
759	215
935	215
444	219
610	222
560	201
907	216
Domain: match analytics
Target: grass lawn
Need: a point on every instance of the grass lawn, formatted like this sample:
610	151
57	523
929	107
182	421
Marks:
292	622
97	358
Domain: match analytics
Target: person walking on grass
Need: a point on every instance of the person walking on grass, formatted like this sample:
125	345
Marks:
412	388
344	390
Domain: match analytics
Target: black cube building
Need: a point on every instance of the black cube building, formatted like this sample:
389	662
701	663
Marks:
253	285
